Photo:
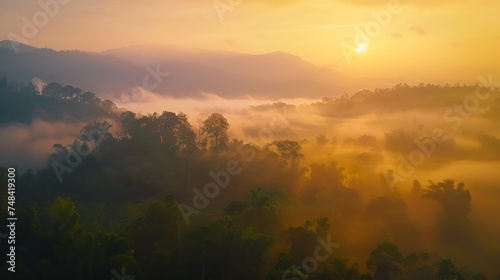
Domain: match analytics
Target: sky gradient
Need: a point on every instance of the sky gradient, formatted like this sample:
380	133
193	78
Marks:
423	41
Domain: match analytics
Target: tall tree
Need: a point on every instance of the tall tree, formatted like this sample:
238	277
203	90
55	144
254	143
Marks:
456	204
215	129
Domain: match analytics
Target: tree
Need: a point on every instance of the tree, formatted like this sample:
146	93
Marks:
212	245
261	212
88	97
321	140
62	216
456	202
416	190
53	89
366	276
303	241
186	138
339	268
58	148
55	245
326	175
235	207
322	226
284	266
127	120
288	150
418	267
385	261
446	271
215	128
159	229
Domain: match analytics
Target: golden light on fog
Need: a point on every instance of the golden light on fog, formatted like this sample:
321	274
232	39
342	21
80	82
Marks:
291	126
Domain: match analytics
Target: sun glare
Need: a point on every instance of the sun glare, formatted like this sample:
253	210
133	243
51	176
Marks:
361	49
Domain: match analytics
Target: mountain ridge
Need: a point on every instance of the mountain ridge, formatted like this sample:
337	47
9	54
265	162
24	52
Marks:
191	71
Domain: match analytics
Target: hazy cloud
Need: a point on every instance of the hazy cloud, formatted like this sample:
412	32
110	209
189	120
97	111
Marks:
29	146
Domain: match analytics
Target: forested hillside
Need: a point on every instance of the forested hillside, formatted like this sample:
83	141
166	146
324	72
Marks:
157	197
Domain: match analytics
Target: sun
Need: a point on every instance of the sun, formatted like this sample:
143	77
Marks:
361	48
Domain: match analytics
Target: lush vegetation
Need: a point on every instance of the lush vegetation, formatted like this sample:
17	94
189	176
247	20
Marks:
162	200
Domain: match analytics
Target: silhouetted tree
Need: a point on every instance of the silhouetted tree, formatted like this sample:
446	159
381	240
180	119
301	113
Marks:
479	277
385	261
446	271
321	140
338	268
455	202
418	267
288	150
303	240
215	129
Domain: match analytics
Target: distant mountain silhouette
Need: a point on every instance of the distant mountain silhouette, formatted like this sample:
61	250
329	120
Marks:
276	65
20	47
191	71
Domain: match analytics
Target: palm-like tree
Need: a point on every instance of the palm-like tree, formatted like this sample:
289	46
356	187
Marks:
456	202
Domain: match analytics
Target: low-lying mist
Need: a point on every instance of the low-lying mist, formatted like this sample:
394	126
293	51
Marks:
367	161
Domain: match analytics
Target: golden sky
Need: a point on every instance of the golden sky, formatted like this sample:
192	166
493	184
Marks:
422	41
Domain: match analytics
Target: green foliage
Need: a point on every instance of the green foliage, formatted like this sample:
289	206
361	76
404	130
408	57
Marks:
235	207
284	263
61	216
159	229
218	242
366	276
338	268
479	277
58	247
122	187
262	212
418	266
55	102
446	270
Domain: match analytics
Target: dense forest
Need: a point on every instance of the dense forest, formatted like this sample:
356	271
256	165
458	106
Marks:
154	196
